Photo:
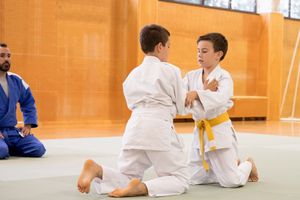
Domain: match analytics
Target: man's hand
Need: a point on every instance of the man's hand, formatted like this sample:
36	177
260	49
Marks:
26	130
212	86
190	97
1	136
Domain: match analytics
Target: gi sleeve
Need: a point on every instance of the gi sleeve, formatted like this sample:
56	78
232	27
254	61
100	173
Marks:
27	104
197	109
180	93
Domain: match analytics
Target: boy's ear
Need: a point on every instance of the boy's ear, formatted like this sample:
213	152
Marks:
159	47
220	54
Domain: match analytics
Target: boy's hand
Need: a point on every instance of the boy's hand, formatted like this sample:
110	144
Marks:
212	86
190	97
26	130
1	136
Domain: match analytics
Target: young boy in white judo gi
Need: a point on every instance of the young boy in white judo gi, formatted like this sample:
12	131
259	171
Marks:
155	93
214	156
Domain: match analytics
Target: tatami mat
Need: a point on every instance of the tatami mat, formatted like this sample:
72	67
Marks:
55	175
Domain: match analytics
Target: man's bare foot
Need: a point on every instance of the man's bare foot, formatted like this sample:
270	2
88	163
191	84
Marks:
253	174
134	188
89	172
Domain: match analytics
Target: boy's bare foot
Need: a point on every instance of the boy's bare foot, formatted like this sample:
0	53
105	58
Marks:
89	172
134	188
253	174
238	162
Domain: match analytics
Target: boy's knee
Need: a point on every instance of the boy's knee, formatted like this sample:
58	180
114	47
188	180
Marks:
184	183
4	152
231	182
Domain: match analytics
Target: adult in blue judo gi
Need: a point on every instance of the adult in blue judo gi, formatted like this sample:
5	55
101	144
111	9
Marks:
16	141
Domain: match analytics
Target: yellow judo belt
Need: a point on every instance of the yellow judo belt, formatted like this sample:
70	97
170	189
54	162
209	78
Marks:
206	125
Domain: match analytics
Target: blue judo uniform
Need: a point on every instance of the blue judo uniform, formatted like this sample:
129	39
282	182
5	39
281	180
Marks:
13	144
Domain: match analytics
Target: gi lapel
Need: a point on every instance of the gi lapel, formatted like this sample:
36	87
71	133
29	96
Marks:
8	99
215	74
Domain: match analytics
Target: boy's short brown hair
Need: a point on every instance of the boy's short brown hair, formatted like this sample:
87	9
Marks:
151	35
219	42
3	45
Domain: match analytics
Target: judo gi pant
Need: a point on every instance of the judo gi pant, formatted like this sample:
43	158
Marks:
223	168
15	145
170	167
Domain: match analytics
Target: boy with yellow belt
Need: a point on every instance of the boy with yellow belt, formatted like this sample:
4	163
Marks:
213	157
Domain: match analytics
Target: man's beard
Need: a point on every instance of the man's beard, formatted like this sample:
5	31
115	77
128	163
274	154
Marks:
4	67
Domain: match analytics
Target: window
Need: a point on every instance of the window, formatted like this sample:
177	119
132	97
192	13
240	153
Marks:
217	3
241	5
289	8
295	9
244	5
189	1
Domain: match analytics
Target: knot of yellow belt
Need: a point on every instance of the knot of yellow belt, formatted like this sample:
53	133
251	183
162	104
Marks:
206	125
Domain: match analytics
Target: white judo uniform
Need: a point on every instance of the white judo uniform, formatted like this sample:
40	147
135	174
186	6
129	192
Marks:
155	93
222	161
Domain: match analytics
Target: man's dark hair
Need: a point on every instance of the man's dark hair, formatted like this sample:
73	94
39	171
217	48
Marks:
151	35
219	42
3	45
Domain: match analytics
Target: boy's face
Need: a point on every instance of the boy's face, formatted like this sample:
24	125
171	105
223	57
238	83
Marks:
164	51
207	57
